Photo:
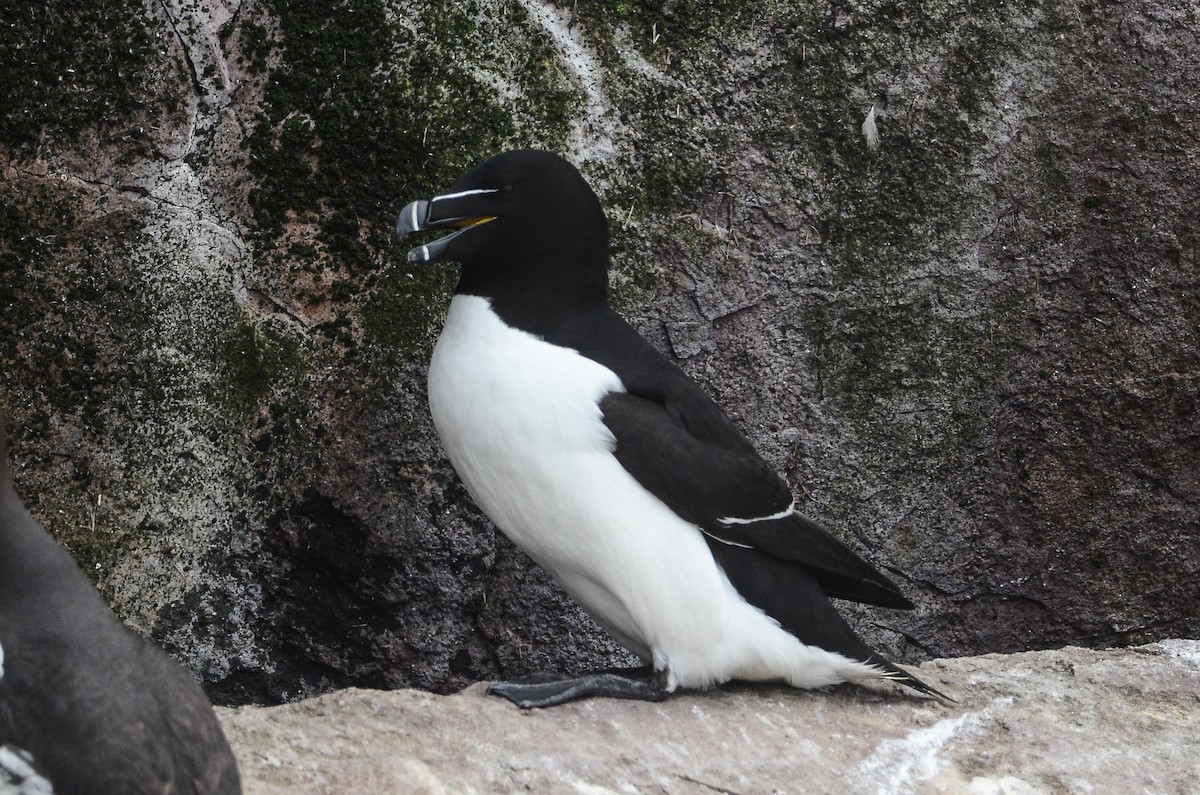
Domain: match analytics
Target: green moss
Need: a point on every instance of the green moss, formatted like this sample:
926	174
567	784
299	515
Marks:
881	210
639	252
678	156
402	316
69	67
65	300
906	374
92	533
255	358
73	332
899	326
29	238
349	133
255	41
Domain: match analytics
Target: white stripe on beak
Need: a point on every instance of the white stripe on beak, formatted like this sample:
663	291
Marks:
461	193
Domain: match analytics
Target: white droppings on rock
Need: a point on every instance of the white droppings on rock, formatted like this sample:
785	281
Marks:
899	764
592	137
584	788
187	265
1186	650
1002	785
632	60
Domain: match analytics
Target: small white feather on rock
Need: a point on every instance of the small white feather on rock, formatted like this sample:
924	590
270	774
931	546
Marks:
870	131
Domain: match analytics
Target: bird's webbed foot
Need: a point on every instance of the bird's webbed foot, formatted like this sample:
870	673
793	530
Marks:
549	690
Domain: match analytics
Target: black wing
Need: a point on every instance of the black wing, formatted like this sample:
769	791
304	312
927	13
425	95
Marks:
680	450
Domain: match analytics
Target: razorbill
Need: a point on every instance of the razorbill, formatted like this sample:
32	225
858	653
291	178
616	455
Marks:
607	465
87	705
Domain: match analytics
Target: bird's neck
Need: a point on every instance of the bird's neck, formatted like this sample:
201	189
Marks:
537	283
555	315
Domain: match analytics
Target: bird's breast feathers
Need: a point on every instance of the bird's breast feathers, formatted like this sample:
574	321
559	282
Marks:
520	421
518	417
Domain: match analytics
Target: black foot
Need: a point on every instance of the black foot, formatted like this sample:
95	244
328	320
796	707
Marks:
550	690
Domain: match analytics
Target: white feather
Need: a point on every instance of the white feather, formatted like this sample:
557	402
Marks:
870	131
520	421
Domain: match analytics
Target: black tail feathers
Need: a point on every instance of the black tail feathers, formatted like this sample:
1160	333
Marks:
895	673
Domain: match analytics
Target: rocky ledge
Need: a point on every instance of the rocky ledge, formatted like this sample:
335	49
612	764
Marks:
1071	720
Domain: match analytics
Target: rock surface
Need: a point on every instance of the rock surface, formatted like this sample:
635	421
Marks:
969	342
1065	721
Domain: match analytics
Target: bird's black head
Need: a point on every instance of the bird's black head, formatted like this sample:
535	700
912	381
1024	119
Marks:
523	218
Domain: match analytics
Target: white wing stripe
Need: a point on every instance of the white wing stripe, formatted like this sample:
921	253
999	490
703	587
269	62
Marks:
786	512
725	541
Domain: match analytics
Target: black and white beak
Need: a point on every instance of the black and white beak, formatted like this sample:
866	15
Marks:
461	211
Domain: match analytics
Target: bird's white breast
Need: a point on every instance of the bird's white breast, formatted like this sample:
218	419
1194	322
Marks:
520	420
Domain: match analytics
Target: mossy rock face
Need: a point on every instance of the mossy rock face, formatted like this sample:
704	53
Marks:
968	342
69	72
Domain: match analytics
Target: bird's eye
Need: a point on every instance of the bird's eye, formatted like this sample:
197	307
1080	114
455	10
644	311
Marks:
506	191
